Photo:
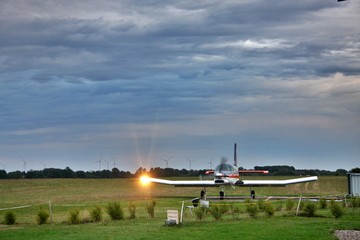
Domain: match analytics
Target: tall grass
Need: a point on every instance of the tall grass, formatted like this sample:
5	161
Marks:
217	211
235	210
269	209
309	209
200	213
336	209
42	216
132	210
150	207
74	216
323	203
252	209
289	204
115	211
96	214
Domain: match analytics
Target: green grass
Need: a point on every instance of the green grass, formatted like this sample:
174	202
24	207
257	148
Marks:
278	227
84	194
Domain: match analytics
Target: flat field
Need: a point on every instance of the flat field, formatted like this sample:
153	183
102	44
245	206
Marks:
84	194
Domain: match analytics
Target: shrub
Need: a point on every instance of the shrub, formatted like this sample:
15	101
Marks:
10	218
96	214
85	218
269	209
323	203
132	210
218	210
252	210
355	202
42	216
279	206
235	211
247	200
310	209
115	211
74	216
289	205
261	205
200	213
150	207
336	210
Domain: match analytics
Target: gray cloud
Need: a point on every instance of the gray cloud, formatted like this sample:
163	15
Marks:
152	78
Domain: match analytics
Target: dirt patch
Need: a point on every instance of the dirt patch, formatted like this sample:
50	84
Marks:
347	234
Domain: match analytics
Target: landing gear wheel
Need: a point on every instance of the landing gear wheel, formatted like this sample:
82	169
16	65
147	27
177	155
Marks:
252	194
222	195
202	194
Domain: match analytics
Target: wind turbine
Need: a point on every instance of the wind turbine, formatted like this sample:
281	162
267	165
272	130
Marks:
167	160
114	164
24	163
107	164
99	161
190	162
44	164
211	162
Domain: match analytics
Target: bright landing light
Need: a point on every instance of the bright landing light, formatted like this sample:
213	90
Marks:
144	180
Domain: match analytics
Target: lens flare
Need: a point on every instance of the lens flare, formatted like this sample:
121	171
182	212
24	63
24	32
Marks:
144	180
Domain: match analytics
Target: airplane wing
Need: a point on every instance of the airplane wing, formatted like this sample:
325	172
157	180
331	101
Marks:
239	183
180	183
280	183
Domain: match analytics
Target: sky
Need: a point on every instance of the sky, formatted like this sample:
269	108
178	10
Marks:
100	84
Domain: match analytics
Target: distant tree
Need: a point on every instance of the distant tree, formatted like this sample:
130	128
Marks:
34	174
53	173
115	173
80	174
340	172
67	173
281	170
126	174
15	175
140	172
105	174
160	172
3	174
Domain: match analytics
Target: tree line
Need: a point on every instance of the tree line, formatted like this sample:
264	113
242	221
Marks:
65	173
161	172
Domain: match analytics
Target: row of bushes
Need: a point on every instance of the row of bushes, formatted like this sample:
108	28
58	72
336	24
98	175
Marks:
307	209
113	209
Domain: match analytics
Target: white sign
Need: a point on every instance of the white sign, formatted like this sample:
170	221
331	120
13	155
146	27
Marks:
173	215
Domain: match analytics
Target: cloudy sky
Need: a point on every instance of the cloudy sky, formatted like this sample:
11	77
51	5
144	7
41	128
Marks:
140	81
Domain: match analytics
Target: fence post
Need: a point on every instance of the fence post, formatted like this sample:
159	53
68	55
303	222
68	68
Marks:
50	211
182	212
297	209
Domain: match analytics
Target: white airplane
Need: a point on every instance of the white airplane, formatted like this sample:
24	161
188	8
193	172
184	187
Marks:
227	175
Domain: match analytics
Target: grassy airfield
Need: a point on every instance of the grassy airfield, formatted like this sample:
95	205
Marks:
84	194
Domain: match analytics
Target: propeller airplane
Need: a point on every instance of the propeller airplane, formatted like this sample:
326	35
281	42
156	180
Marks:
227	175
